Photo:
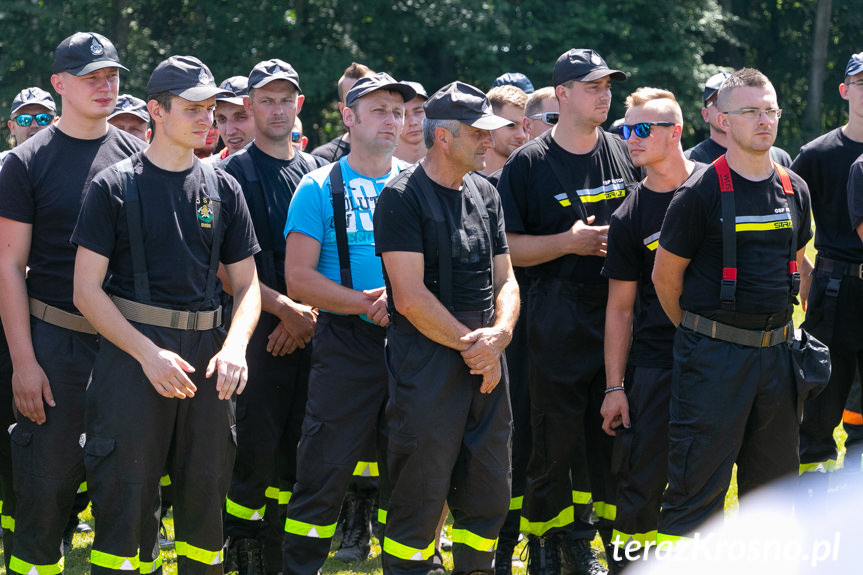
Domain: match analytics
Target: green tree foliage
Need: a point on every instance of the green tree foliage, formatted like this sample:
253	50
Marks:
663	43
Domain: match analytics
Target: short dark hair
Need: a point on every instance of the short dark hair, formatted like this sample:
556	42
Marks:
743	78
355	71
164	99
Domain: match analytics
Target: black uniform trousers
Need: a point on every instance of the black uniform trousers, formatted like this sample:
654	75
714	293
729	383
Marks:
47	460
344	412
269	418
641	455
729	403
7	418
134	434
447	443
566	324
838	322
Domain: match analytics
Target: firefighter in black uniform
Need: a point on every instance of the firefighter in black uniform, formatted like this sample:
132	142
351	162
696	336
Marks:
270	412
559	191
835	308
635	408
161	222
52	352
730	289
453	302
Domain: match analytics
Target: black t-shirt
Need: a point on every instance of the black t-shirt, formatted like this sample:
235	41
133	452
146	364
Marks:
708	150
693	229
177	234
536	203
43	182
277	180
633	237
824	163
855	195
333	150
402	225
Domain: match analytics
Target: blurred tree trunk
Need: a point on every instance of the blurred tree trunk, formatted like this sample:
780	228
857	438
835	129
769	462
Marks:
812	119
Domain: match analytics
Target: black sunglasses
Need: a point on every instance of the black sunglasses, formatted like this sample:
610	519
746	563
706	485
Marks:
641	129
549	118
25	120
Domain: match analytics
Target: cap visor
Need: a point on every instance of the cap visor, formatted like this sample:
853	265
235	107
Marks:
236	100
489	122
200	93
602	73
854	70
136	114
269	79
52	109
407	93
93	66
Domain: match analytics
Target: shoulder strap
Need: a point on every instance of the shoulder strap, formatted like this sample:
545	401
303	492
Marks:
337	189
431	203
212	189
479	204
132	203
728	286
795	226
563	178
260	216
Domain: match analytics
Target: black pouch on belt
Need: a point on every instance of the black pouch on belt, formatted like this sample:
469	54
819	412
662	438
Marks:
810	360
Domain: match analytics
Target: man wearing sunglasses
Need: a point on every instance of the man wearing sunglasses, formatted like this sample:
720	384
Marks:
733	393
714	145
271	411
640	336
558	193
835	308
43	181
33	109
540	112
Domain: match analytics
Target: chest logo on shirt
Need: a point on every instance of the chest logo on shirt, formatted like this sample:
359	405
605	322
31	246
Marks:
762	223
651	242
608	191
205	212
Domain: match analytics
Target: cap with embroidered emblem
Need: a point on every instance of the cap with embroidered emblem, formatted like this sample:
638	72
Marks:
85	52
186	77
270	70
465	103
128	104
582	65
238	86
33	96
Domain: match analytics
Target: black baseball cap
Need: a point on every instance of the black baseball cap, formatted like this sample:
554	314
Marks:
273	69
238	86
379	81
34	96
419	89
516	79
465	103
582	65
712	85
85	52
128	104
855	64
186	77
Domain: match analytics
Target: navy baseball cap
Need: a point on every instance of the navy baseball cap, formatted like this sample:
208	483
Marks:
186	77
34	96
270	70
582	65
85	52
379	81
465	103
712	85
238	86
855	64
516	79
128	104
419	89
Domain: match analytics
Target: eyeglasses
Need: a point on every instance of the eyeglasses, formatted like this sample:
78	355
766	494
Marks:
25	120
549	118
755	113
854	83
641	129
296	136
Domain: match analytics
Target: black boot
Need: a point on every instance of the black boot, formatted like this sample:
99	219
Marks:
503	558
578	558
357	529
543	555
244	556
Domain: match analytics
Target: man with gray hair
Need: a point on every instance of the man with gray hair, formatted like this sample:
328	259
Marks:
453	302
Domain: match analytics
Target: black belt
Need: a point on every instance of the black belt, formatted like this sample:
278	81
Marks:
831	266
729	333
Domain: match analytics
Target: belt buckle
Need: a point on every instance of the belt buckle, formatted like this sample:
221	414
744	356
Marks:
766	337
860	271
192	320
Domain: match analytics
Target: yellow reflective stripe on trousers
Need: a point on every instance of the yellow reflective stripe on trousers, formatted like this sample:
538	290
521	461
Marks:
621	538
670	542
115	562
366	469
581	497
19	566
564	518
308	530
197	554
516	503
243	512
272	493
82	488
7	522
148	567
281	497
382	516
396	549
284	497
828	466
605	510
473	540
165	480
